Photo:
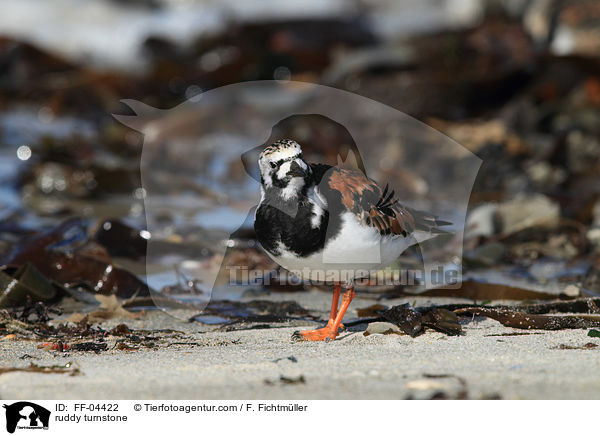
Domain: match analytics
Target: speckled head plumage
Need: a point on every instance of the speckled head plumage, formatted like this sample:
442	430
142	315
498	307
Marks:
283	168
282	149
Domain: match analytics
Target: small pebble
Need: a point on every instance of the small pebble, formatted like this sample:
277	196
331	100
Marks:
383	328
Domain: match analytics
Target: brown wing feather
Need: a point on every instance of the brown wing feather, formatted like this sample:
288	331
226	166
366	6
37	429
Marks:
377	207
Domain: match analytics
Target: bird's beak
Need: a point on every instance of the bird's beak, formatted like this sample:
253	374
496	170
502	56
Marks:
296	170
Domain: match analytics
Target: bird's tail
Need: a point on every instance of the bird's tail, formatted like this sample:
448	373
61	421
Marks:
427	222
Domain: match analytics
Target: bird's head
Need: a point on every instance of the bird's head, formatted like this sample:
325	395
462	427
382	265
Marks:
283	168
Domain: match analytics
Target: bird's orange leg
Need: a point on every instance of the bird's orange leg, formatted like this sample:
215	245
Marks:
322	333
337	290
346	300
335	318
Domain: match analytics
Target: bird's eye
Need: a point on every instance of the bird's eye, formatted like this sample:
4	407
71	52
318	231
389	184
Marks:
273	164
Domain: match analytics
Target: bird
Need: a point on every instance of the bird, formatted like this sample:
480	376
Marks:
329	222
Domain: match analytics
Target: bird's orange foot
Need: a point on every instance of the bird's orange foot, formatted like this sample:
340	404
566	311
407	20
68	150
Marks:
322	334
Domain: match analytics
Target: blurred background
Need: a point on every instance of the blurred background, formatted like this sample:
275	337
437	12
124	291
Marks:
517	82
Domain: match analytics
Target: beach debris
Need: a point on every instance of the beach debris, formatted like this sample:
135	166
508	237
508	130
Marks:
236	315
255	314
593	333
123	346
522	320
414	321
120	330
120	239
95	347
205	342
292	380
382	328
525	211
443	321
27	356
285	380
65	238
514	334
55	346
63	255
487	291
288	358
409	320
24	285
34	312
438	387
512	216
588	346
110	307
69	368
82	335
578	305
10	325
79	329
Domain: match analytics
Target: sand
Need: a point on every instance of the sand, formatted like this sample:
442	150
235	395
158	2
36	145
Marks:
267	364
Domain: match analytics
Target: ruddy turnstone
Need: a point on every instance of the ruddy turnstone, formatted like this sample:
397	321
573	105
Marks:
331	224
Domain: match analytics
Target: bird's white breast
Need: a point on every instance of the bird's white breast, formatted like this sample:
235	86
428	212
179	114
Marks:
355	249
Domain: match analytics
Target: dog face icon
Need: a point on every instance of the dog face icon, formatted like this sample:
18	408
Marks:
26	414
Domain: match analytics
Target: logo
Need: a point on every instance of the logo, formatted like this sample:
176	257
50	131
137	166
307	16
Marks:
215	142
26	415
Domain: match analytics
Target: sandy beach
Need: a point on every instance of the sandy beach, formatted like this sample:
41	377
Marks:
193	361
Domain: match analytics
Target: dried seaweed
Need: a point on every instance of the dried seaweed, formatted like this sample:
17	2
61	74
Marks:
244	314
413	322
120	239
37	312
514	334
483	291
588	346
68	368
61	255
10	325
123	346
120	330
284	380
521	320
95	347
24	285
254	322
580	305
409	320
